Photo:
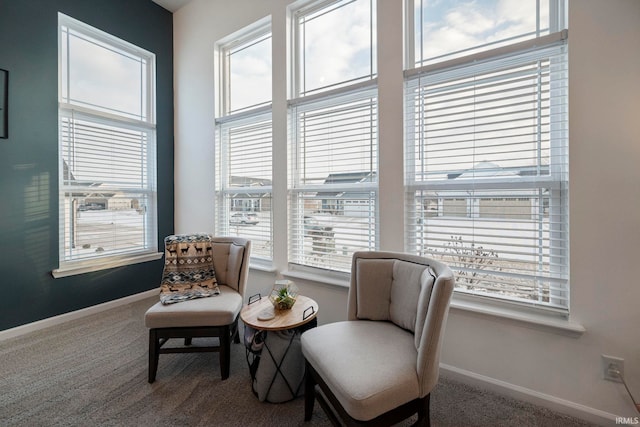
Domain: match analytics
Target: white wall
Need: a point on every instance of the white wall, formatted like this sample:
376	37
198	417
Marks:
551	368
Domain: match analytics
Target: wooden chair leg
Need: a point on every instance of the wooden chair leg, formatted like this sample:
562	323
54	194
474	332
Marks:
309	392
225	353
424	416
235	333
154	354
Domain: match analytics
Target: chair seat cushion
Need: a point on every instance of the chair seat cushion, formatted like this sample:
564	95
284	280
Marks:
216	310
369	366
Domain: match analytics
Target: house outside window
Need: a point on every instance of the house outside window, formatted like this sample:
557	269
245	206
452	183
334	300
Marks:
486	110
333	180
244	138
107	149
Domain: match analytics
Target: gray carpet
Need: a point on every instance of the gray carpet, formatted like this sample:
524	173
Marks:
93	371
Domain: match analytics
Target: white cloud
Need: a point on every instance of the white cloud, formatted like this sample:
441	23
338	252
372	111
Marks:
451	27
338	45
105	78
251	75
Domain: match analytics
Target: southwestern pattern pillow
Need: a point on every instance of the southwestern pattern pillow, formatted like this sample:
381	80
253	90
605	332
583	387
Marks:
188	268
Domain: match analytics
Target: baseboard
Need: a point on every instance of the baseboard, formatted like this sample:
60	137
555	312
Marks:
553	403
73	315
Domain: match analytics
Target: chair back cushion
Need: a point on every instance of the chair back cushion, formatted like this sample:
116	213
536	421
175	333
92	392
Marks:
412	283
391	289
373	285
231	259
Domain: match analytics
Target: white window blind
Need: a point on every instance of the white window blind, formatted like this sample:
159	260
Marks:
487	171
244	190
333	195
107	147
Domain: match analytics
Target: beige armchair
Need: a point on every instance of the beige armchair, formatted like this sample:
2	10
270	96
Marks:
213	316
380	366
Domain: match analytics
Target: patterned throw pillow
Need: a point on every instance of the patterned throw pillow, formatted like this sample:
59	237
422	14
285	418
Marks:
188	268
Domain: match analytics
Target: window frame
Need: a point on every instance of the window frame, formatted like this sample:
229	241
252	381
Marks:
224	190
557	179
146	124
228	119
363	87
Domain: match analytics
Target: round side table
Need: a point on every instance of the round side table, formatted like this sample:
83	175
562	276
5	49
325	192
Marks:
274	356
303	311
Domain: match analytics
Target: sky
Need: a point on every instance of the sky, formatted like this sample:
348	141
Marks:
250	74
449	26
113	81
105	77
338	45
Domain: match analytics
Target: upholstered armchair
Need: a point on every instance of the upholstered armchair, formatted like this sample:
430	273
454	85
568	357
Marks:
380	366
197	266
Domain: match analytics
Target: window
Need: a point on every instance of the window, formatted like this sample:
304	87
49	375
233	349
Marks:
333	124
244	138
487	148
107	147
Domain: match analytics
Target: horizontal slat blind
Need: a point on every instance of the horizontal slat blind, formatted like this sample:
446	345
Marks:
244	181
333	196
249	156
487	174
98	152
108	188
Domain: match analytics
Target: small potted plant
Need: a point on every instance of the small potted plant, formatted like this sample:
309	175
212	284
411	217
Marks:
283	295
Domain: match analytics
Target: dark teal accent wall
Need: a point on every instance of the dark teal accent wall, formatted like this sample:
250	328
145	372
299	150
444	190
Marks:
29	159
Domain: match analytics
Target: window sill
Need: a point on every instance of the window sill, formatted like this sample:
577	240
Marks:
72	270
535	320
329	278
518	315
265	268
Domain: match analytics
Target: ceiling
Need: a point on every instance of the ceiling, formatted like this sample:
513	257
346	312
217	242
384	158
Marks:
171	5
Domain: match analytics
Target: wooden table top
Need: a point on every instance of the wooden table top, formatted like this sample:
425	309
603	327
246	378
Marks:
284	319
